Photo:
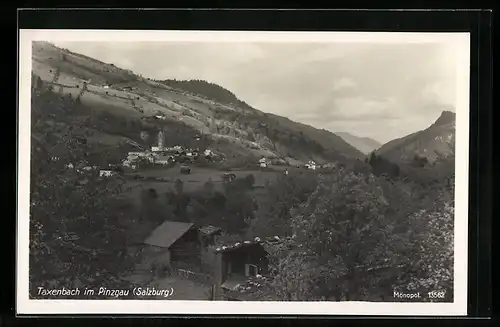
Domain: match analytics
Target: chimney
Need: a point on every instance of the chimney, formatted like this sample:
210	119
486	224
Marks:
217	294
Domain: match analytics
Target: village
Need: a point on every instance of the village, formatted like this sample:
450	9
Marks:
185	255
163	156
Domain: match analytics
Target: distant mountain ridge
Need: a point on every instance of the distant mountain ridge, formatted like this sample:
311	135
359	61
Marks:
206	108
436	141
363	144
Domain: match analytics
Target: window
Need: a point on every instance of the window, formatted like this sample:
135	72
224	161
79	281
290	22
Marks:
251	270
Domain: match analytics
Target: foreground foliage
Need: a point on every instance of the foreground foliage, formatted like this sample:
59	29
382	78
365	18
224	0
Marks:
352	242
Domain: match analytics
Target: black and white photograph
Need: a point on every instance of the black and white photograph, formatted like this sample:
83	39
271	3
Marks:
251	172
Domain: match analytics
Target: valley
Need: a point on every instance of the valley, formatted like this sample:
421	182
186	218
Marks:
144	182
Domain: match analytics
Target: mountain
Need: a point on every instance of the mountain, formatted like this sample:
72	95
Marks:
363	144
435	142
126	107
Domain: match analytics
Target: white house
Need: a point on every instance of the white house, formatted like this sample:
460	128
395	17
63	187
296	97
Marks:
164	160
156	149
208	153
106	173
106	86
311	165
138	154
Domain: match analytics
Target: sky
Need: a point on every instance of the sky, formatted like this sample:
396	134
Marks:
378	90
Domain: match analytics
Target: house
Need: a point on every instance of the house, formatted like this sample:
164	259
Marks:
164	160
208	234
263	163
106	173
173	242
138	154
185	170
239	264
311	165
156	149
132	158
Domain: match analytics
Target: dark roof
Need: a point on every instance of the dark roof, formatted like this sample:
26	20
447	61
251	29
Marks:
167	233
209	229
270	244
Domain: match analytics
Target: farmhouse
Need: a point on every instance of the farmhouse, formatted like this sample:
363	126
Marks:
263	163
173	242
137	154
106	173
132	158
240	266
208	234
311	165
164	160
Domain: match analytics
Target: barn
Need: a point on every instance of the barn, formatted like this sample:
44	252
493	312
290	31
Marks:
173	242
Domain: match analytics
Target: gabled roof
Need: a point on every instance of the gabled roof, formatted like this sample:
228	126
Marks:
167	233
163	158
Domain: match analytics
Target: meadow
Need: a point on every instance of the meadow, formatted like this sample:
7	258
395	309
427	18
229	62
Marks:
192	182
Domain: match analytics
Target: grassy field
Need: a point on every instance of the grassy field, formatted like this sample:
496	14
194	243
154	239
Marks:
192	182
201	175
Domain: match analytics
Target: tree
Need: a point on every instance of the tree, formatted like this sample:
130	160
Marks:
434	253
209	187
76	234
353	242
179	186
274	211
250	180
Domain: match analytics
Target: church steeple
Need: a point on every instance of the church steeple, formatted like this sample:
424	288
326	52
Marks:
161	140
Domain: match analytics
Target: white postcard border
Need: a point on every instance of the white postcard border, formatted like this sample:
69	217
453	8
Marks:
459	41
